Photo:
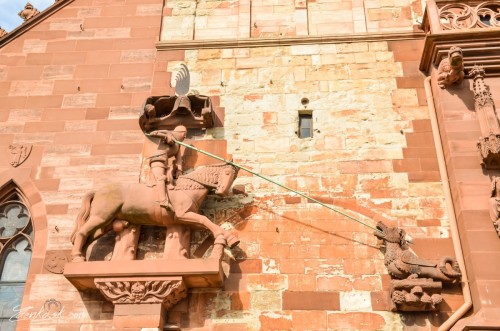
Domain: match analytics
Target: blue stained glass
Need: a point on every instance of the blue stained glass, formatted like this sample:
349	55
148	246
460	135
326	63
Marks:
17	261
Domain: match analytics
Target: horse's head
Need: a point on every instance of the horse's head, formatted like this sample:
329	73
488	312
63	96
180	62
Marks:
227	175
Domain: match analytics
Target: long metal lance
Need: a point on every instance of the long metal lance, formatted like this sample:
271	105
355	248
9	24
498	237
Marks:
275	182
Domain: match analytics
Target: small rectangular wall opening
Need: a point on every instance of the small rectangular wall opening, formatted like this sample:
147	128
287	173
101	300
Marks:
305	124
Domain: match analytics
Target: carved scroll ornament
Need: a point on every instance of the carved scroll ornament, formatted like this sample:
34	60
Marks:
167	291
462	16
416	284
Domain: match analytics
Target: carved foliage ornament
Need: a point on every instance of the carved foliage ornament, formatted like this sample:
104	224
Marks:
167	292
462	16
2	32
417	294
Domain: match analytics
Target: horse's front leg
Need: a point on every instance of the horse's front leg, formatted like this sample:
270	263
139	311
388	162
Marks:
194	219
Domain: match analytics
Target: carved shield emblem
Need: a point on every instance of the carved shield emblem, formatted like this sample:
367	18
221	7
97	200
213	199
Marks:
19	154
55	262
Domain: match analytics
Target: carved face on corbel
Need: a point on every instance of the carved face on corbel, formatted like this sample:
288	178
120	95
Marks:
138	291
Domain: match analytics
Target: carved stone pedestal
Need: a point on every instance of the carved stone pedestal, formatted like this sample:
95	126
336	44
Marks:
149	316
141	301
415	294
143	290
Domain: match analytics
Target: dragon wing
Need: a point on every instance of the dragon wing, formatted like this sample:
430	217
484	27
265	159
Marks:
410	258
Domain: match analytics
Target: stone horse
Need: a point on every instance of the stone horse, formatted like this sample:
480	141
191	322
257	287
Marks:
403	263
136	203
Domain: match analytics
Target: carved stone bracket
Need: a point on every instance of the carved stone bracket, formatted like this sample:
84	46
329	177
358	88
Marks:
415	294
489	144
165	290
196	273
409	292
143	290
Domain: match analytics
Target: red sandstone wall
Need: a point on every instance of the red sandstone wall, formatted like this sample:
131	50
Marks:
76	96
471	189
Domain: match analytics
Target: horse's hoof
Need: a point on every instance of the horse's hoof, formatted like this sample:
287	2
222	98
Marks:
78	258
232	241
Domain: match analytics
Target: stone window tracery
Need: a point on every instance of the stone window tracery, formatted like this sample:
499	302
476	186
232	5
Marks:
16	241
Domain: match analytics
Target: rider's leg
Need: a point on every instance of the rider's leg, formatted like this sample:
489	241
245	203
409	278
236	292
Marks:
158	169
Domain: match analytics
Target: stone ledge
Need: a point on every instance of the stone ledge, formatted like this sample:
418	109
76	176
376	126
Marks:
199	273
285	41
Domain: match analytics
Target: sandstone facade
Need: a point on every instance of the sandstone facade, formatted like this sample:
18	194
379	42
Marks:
73	86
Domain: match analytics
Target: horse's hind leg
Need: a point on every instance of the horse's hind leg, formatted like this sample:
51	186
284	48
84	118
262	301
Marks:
83	233
192	218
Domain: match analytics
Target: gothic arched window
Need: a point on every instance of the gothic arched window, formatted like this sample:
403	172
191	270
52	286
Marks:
16	242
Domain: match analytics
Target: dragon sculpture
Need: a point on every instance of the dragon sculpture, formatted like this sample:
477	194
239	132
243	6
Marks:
402	263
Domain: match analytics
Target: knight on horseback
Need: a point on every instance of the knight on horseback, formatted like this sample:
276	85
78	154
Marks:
167	163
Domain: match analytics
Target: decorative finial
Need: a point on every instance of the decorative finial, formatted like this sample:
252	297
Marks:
28	12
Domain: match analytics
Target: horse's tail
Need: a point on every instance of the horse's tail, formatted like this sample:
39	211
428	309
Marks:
83	215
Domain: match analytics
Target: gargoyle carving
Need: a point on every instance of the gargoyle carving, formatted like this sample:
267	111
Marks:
28	12
451	69
402	262
495	204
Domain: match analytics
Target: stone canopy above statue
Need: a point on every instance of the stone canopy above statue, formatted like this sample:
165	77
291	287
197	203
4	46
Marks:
166	112
190	110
